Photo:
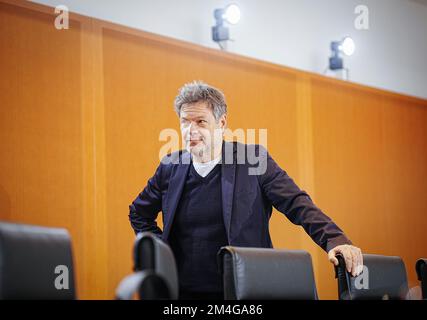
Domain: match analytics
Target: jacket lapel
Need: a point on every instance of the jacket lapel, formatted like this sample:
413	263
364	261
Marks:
228	174
176	185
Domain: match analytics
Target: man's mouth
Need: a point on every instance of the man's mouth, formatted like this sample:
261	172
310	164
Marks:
194	142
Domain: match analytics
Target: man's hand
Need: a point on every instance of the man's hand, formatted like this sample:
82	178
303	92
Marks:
352	255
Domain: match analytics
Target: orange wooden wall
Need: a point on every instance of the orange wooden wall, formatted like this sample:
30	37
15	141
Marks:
81	111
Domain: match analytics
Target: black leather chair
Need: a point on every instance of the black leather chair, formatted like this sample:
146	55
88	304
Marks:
258	273
383	278
35	263
421	268
155	276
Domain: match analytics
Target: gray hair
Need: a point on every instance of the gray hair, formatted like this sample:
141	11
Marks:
196	91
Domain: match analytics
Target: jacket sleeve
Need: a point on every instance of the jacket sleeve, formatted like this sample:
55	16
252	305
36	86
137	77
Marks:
297	205
146	207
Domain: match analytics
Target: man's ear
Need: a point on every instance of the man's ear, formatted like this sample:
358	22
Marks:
223	121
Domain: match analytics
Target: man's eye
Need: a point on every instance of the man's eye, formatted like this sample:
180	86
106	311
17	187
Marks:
202	121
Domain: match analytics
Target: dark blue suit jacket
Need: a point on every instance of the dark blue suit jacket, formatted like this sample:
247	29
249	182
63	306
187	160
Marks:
247	200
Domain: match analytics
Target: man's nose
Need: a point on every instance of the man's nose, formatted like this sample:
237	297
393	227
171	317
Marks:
194	128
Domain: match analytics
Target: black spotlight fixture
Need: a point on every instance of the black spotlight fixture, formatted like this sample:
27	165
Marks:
345	46
220	32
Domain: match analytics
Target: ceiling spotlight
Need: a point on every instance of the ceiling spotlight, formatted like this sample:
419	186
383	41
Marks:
345	46
229	14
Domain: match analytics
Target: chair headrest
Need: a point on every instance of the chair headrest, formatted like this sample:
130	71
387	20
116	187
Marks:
34	262
151	253
383	277
420	267
260	273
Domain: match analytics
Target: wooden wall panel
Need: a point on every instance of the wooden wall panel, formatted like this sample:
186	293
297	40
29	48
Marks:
40	123
81	111
370	170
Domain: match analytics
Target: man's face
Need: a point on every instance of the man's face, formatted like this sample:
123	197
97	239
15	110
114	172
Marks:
201	133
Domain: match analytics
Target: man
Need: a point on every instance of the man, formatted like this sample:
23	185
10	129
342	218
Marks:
209	198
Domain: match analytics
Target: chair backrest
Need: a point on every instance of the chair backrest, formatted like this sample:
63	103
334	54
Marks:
421	268
383	277
156	275
35	263
260	273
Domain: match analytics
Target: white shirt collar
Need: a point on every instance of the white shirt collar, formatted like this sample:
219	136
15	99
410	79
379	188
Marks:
203	168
